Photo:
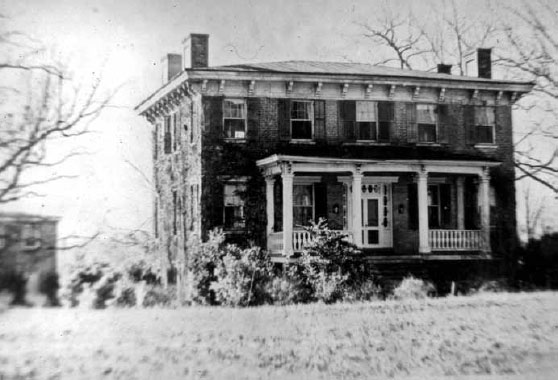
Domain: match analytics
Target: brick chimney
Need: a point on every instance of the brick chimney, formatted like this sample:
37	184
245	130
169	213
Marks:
196	51
172	66
479	63
444	69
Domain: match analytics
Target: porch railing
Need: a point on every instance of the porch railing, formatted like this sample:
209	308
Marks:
301	238
455	240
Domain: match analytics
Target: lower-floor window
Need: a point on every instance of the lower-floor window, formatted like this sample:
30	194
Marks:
234	205
31	235
439	206
303	204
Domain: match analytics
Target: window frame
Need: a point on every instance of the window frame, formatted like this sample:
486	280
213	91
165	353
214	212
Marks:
245	118
376	121
34	230
310	119
312	205
436	124
242	224
167	134
491	126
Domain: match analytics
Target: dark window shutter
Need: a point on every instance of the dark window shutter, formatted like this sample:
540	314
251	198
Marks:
156	141
411	120
320	193
175	130
284	122
445	204
319	120
252	109
444	124
469	119
218	202
348	119
386	117
412	205
213	116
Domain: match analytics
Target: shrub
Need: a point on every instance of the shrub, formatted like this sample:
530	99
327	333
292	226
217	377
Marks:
493	286
156	295
202	265
413	288
98	277
49	285
362	290
142	270
15	283
242	277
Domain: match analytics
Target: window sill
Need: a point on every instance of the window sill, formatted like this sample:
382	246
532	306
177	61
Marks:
303	141
486	146
234	141
428	144
366	143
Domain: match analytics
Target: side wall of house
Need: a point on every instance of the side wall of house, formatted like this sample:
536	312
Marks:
177	174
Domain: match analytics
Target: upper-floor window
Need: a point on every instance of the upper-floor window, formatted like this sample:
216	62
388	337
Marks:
485	125
234	118
301	120
366	121
31	236
167	138
233	216
427	121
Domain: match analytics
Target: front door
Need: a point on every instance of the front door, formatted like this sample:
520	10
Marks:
376	215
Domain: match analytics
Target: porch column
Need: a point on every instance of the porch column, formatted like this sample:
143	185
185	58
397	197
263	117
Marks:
287	181
357	207
460	203
422	184
269	198
484	198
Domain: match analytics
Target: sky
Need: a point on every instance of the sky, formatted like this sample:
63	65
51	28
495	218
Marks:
122	42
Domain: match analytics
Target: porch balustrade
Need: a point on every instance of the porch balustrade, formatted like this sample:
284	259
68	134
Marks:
301	238
456	240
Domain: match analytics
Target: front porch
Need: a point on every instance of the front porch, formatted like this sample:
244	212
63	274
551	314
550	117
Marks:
417	208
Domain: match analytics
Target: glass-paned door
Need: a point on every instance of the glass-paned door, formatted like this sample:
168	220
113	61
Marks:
376	215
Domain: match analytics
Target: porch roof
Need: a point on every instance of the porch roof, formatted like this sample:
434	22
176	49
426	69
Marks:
272	164
377	152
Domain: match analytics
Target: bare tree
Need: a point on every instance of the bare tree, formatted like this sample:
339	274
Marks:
40	105
527	48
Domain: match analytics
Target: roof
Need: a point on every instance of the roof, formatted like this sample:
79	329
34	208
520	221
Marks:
25	217
343	68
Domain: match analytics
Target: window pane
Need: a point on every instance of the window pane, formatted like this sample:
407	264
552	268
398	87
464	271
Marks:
372	209
301	129
433	219
426	114
433	198
300	110
373	237
234	108
302	215
366	130
427	132
234	128
484	116
484	134
366	111
302	195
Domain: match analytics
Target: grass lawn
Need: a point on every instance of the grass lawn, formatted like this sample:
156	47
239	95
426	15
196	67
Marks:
496	334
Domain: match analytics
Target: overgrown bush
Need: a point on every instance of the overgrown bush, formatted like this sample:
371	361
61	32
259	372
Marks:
330	270
413	288
156	295
202	264
99	278
49	285
15	283
242	277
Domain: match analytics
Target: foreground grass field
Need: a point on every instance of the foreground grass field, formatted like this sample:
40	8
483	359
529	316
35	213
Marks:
503	334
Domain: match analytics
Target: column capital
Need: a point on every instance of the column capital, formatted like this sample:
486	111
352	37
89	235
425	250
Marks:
357	172
422	173
269	180
287	169
485	175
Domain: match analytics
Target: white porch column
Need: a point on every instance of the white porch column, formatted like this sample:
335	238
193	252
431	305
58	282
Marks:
287	181
484	199
460	203
357	207
269	198
422	184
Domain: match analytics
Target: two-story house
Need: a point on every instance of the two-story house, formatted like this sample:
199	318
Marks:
411	165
